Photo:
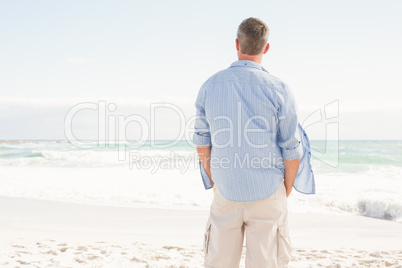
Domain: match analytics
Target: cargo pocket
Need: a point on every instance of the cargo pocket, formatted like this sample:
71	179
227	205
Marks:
206	238
284	246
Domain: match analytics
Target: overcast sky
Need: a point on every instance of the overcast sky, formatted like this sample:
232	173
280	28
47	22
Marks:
56	54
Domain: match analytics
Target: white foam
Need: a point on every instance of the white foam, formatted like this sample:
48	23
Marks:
98	177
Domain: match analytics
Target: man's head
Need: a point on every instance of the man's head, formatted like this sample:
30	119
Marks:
252	39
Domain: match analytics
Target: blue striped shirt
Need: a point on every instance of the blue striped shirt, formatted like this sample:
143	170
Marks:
249	118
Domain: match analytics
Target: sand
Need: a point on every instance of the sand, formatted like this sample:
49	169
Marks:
41	233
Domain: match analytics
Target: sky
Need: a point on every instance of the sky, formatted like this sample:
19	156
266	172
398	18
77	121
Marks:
338	57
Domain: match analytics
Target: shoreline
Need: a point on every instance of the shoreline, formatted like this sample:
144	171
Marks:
146	224
42	232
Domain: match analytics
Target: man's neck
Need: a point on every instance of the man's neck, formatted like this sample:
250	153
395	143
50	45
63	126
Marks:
256	59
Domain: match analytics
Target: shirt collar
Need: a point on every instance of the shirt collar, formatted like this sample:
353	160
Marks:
248	63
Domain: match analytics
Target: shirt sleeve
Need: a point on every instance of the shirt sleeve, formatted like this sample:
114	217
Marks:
288	136
202	134
205	178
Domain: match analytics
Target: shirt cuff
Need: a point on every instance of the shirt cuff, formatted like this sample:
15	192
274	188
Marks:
202	140
292	154
205	177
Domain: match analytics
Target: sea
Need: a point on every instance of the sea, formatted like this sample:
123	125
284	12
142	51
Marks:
352	177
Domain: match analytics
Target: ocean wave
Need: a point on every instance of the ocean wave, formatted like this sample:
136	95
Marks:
89	158
36	155
381	209
366	181
362	194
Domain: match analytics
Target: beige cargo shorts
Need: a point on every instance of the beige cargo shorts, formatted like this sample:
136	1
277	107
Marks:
264	223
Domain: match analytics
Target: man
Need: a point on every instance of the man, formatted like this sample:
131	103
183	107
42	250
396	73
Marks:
250	143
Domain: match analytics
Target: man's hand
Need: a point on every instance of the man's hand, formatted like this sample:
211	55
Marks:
291	167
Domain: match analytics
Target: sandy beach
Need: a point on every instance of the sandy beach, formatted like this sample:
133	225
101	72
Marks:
42	233
103	105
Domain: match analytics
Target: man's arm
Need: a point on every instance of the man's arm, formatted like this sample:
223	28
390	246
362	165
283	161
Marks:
291	167
204	153
288	138
202	138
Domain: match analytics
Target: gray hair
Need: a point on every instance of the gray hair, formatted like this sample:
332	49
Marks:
253	36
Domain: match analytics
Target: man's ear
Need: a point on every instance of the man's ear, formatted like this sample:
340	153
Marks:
266	48
237	45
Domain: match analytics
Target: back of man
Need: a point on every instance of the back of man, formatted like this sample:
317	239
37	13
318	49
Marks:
246	137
